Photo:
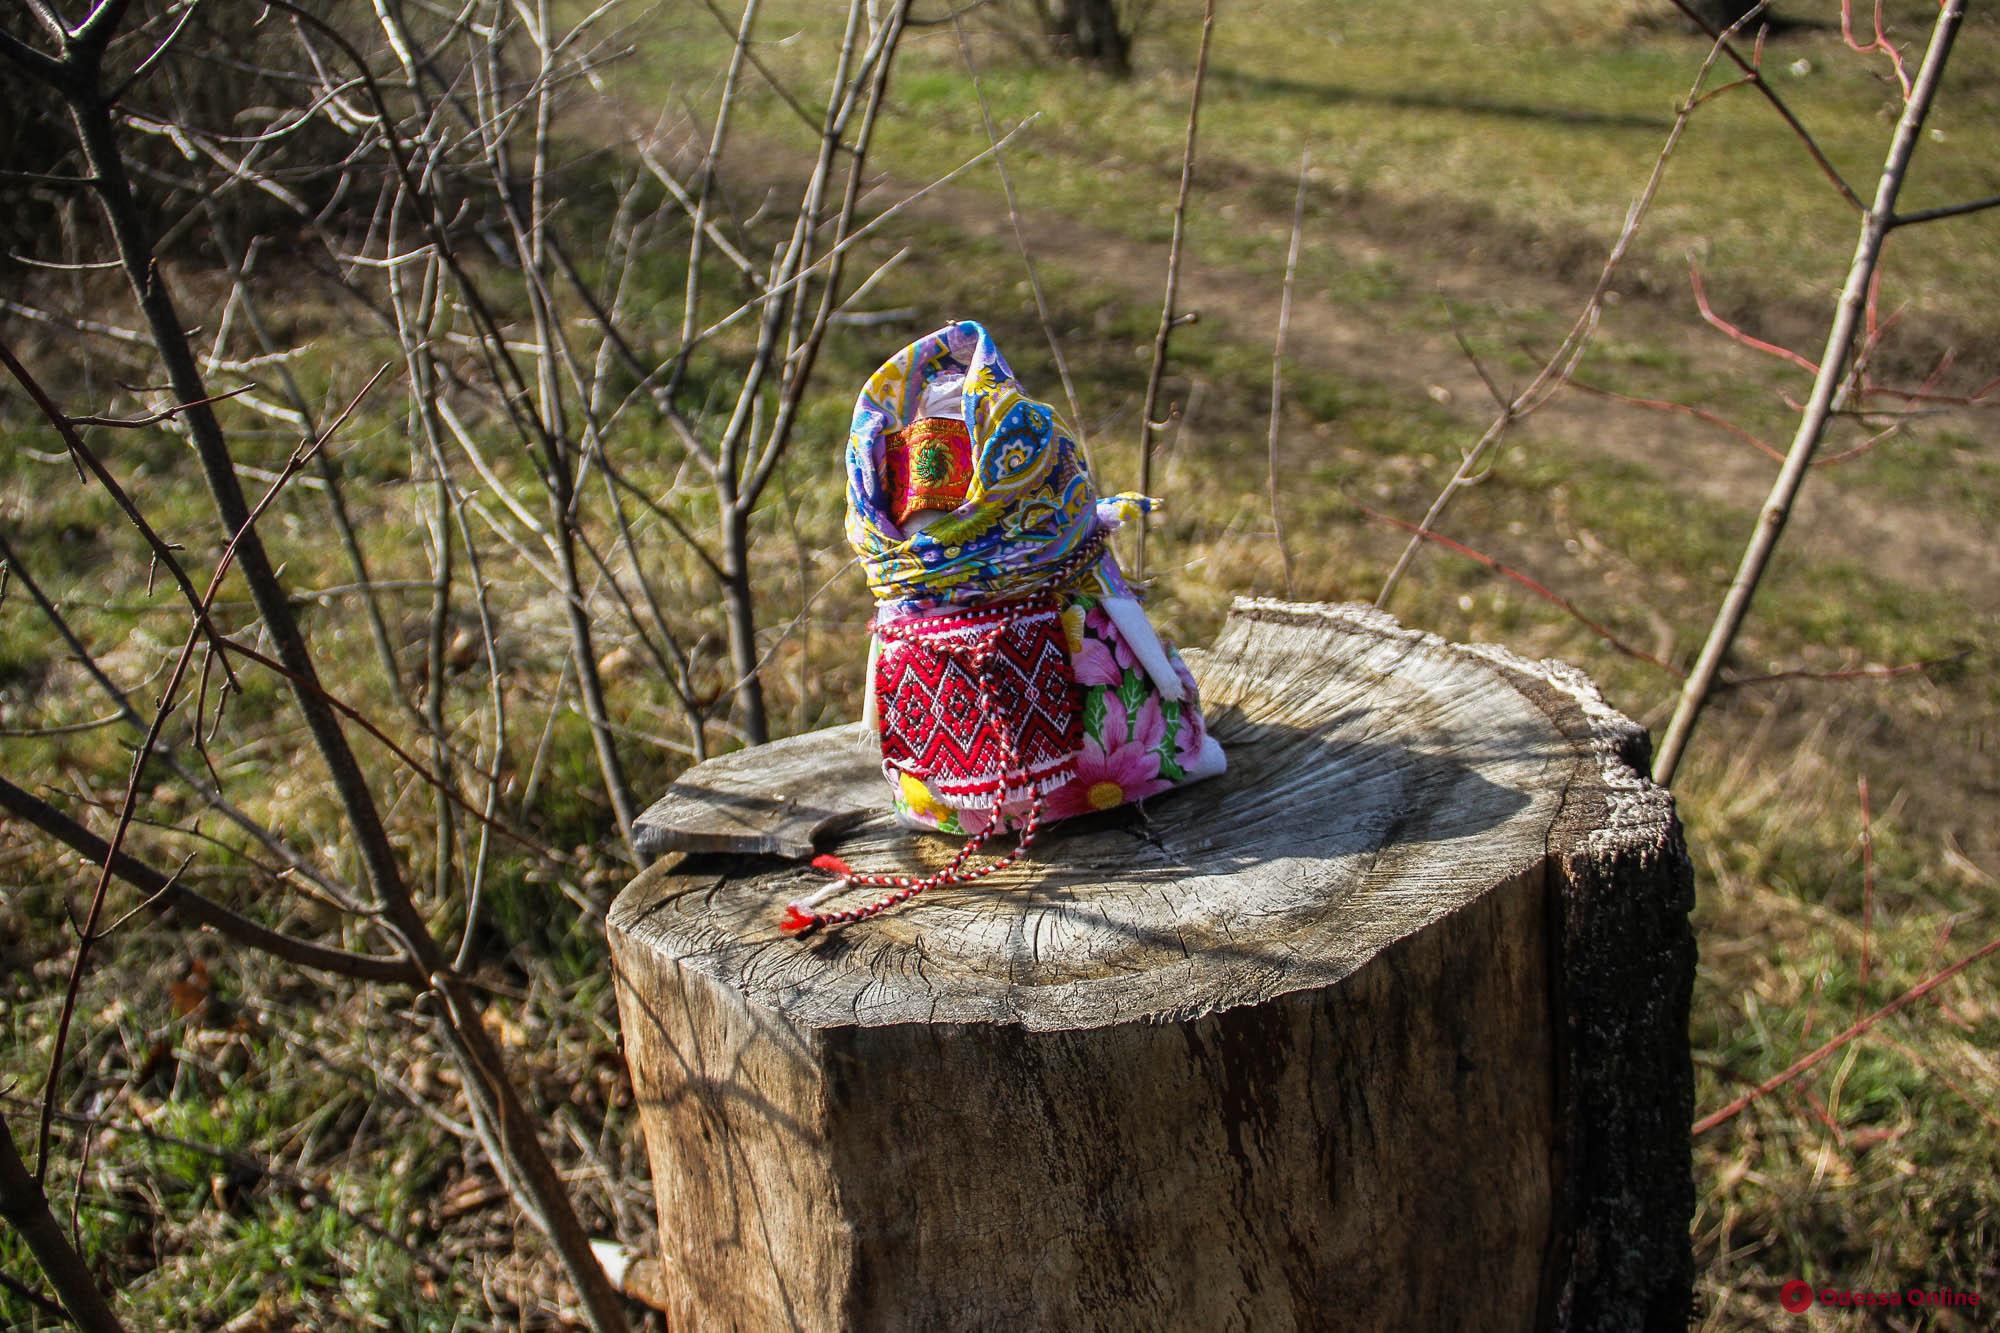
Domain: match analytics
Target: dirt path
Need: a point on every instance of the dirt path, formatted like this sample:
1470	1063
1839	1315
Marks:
1833	519
1925	544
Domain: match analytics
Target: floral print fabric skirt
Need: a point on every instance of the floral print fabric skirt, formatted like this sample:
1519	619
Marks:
1136	742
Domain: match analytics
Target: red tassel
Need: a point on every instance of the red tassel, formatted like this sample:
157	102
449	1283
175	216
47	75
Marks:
797	921
832	865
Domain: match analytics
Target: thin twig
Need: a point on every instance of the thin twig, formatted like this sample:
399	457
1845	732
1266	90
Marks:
1533	585
297	864
162	550
1867	882
167	895
1851	673
1715	419
1555	372
26	1208
1856	1029
1946	211
1752	67
704	189
129	804
1880	43
164	414
1735	333
1169	316
263	1168
1278	370
1021	240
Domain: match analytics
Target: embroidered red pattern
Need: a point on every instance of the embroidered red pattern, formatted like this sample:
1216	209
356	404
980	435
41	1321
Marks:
948	684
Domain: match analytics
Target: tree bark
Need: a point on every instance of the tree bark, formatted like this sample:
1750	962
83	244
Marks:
739	607
1386	1027
1090	31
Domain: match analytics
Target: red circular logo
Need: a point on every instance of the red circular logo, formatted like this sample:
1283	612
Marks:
1796	1295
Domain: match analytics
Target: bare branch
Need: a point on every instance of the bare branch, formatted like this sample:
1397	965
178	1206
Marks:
1827	385
299	865
1856	1029
1947	211
1555	372
154	418
159	51
1169	316
1021	238
26	1208
705	186
1867	839
129	804
1698	413
1752	68
1850	673
1278	369
1736	334
44	67
1880	43
1472	358
169	895
776	84
97	28
162	551
853	239
1533	585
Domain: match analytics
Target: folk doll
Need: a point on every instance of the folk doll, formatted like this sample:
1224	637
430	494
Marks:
1013	678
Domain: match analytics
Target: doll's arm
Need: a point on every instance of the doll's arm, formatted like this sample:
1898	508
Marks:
870	719
1130	618
1124	608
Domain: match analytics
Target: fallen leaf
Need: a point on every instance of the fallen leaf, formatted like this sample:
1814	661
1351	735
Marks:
192	991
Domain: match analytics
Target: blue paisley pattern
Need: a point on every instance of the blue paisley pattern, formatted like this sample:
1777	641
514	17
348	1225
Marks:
1031	502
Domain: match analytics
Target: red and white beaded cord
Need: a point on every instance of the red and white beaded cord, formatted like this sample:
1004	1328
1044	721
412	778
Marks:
800	917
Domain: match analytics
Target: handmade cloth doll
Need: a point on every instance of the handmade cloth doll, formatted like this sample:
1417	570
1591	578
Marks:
1013	677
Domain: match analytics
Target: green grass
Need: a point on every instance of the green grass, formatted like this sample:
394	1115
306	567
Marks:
1535	126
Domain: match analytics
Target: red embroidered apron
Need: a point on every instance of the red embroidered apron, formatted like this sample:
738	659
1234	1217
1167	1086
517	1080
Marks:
981	705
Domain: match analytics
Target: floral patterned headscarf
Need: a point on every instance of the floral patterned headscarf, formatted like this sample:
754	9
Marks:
1030	506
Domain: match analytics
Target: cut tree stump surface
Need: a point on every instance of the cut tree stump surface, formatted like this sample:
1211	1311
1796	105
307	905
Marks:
1386	1023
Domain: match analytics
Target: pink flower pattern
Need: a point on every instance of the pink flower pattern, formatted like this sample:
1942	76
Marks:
1109	774
1097	624
1193	732
1096	664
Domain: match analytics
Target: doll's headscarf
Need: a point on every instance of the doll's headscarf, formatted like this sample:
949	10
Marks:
1030	507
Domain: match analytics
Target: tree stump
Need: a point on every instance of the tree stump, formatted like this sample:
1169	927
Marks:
1386	1027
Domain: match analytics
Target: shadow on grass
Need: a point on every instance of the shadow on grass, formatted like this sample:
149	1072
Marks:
1334	94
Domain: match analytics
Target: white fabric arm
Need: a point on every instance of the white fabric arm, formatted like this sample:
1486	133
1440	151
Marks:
870	719
1130	618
